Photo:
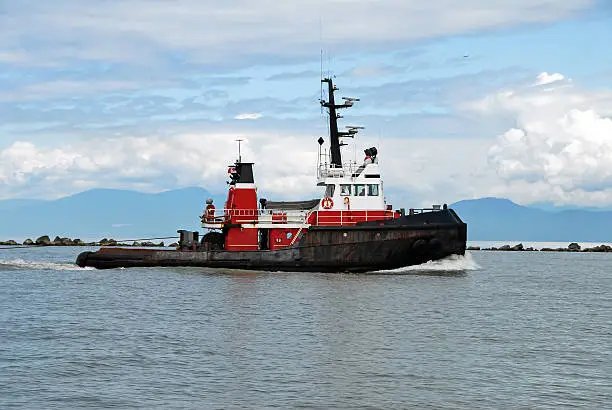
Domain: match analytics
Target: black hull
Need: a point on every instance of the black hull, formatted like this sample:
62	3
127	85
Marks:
370	246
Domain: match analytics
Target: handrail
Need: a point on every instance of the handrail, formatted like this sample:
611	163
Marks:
327	169
256	215
259	212
292	216
302	216
435	208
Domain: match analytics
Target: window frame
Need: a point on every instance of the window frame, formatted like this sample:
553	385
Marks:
369	190
363	189
349	190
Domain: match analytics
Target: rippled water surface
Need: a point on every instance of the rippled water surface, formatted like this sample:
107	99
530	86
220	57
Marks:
491	330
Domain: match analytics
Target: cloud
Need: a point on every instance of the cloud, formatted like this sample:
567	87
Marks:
290	76
417	171
545	78
149	73
446	90
248	116
560	148
62	88
237	32
12	56
425	168
553	144
152	164
376	70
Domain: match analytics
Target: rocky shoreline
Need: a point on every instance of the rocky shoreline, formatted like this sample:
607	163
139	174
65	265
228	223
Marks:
46	241
572	247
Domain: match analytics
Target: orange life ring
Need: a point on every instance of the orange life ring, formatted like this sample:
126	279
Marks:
327	203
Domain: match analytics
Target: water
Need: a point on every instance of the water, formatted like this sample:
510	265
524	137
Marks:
491	330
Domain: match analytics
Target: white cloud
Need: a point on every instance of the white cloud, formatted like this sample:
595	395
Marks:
248	116
12	56
554	152
545	78
54	89
154	164
417	172
216	32
561	147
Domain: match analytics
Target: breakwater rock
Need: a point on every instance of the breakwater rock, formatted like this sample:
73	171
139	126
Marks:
572	247
45	240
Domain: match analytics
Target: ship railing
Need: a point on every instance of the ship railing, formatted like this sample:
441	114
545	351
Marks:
275	216
328	170
434	208
293	216
351	217
283	216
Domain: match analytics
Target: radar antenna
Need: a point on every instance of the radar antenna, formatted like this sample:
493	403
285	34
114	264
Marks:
334	134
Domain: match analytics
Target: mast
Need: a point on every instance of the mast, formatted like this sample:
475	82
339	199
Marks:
334	134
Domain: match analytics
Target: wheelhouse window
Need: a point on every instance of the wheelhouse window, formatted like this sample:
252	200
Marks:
329	190
373	190
345	189
359	190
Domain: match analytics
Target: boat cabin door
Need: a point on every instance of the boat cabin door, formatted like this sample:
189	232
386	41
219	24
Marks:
345	194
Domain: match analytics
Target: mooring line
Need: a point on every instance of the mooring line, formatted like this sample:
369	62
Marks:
145	239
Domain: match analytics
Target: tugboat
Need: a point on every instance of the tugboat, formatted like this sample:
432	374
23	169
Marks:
350	228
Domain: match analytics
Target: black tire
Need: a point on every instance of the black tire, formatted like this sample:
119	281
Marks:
82	259
419	245
214	241
435	244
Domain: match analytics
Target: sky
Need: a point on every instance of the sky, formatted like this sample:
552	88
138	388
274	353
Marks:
504	98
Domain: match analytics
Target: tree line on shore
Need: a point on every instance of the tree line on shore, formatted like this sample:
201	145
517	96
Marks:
45	240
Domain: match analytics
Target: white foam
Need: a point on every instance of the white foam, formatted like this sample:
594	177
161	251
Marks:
39	265
453	263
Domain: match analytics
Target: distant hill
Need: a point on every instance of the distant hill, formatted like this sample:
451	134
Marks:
123	214
551	206
98	213
495	219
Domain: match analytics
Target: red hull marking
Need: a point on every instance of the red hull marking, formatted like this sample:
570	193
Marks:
280	238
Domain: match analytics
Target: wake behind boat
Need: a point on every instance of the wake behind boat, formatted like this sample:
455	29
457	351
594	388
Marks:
351	228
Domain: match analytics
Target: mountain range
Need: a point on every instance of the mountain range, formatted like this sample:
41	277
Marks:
123	214
111	213
496	219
